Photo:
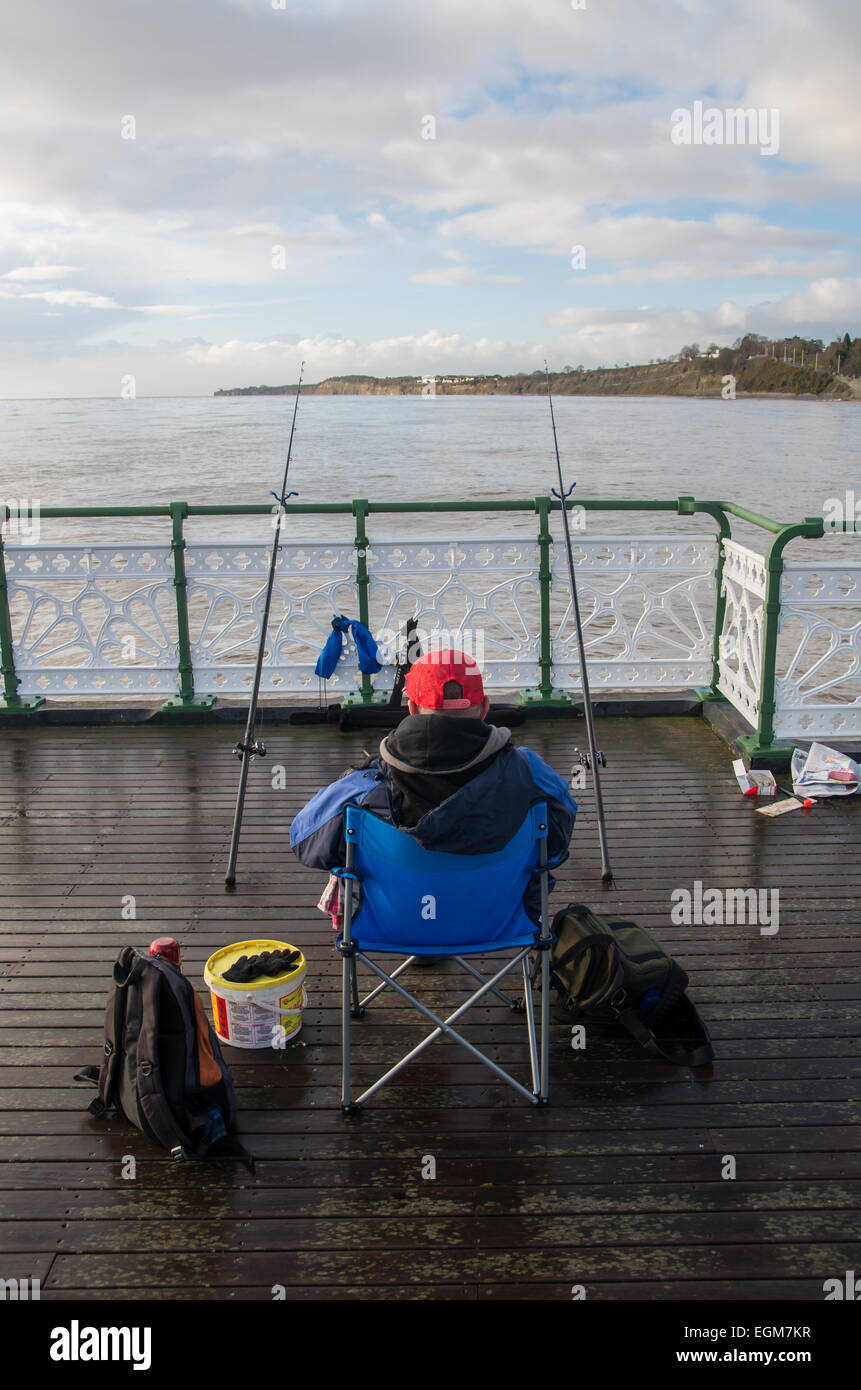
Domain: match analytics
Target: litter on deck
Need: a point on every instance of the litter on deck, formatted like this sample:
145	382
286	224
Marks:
824	772
754	783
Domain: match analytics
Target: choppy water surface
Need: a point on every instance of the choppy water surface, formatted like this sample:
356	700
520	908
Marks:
782	457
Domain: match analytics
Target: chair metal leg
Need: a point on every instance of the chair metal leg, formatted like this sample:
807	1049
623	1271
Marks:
505	998
347	969
545	977
530	1027
357	827
349	986
357	1009
443	1026
379	989
545	1026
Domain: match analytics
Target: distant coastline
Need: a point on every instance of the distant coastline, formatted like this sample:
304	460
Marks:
752	374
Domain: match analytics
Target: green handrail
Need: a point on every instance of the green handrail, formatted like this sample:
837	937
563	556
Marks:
489	504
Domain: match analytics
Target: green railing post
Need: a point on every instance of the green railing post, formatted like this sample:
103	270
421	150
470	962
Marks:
687	506
762	744
360	511
545	652
186	699
365	694
544	694
10	700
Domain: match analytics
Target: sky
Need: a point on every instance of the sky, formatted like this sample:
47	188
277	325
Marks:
199	194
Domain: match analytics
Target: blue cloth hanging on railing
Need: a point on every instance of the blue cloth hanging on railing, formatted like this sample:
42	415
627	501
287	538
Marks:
334	646
367	649
333	649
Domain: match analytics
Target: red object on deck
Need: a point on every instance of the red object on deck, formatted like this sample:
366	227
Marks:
168	947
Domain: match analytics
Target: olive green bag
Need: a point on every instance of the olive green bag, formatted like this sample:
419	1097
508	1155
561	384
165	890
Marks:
610	970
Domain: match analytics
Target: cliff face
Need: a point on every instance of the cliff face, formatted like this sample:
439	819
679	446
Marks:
699	377
369	386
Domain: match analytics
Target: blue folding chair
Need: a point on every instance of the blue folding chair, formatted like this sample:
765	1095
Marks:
416	902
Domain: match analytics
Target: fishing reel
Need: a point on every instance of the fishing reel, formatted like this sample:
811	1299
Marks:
257	749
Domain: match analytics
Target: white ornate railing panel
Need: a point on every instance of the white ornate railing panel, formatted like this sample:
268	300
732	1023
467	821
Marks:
101	619
479	595
226	594
93	620
818	673
646	606
744	580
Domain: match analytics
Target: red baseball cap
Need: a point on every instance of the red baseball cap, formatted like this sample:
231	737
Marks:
427	677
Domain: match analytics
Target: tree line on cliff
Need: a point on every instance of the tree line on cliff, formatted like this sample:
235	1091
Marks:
759	365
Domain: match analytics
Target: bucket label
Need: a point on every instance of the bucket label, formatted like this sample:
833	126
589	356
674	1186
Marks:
293	1022
252	1022
219	1008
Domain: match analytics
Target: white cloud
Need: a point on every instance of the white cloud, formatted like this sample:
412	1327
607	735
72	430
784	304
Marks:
327	355
755	267
171	310
462	275
833	300
255	229
70	299
303	128
727	246
593	336
628	334
823	307
39	272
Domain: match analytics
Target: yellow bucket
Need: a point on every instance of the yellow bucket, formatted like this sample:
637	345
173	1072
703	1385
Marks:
265	1013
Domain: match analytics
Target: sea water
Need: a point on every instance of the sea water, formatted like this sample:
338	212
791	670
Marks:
785	458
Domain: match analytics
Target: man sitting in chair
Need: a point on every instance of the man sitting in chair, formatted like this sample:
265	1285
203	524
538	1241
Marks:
444	776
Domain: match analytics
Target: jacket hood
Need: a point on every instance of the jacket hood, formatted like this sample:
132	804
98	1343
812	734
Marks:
442	769
440	744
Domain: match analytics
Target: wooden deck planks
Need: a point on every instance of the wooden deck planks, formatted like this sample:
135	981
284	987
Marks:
617	1185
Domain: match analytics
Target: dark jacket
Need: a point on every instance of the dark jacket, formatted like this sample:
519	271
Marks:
454	783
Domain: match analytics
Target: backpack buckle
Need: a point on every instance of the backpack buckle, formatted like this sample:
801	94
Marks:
615	1004
109	1049
178	1153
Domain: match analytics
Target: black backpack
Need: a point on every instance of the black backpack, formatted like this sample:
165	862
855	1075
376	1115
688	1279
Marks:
612	971
163	1069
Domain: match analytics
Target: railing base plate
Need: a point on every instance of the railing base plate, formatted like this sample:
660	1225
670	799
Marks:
177	705
555	700
772	752
706	694
21	704
355	699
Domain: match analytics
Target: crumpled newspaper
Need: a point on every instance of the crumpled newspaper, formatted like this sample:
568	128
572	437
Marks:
824	772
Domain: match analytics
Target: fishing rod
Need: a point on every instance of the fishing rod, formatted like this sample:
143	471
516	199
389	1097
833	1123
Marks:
250	747
593	759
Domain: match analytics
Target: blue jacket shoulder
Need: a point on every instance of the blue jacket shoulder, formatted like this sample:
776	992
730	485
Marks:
548	780
330	802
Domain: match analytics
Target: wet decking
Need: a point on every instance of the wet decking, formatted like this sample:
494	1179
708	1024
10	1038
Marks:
618	1186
